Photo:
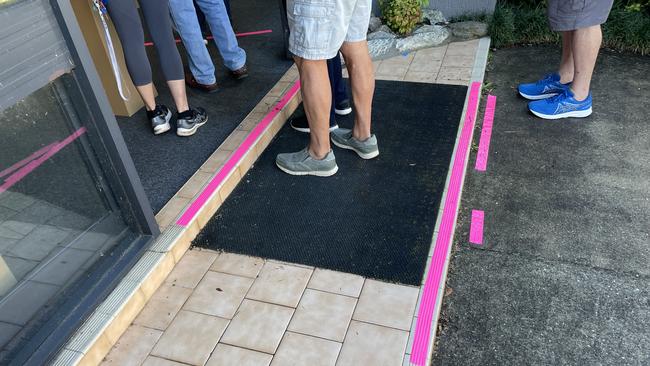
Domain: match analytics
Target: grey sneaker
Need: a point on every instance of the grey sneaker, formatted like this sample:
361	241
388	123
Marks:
367	149
159	119
301	163
187	126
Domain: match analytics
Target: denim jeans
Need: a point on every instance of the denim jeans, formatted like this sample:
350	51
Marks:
187	24
339	88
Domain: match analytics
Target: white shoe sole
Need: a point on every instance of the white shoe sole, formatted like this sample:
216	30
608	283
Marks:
362	155
537	97
327	173
576	114
307	130
190	131
343	112
164	127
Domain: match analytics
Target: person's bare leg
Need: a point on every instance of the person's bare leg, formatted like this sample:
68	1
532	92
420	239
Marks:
177	88
586	44
147	94
566	64
317	101
362	80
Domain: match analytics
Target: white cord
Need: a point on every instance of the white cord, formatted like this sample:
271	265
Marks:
101	10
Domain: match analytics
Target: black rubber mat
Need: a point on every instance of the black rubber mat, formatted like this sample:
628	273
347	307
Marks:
166	162
374	218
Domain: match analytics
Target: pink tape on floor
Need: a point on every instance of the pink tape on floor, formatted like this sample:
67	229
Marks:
23	162
243	34
486	133
231	163
432	284
29	167
476	227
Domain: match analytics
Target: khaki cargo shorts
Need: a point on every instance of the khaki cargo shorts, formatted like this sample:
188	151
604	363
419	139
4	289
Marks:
318	28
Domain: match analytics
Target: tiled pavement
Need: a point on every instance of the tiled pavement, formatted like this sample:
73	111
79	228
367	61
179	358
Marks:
228	309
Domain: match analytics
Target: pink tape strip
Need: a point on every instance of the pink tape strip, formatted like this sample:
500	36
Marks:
29	167
486	133
243	34
476	227
231	163
420	348
23	162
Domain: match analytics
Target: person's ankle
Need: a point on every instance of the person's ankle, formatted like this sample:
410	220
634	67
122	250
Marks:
580	95
361	135
565	77
318	155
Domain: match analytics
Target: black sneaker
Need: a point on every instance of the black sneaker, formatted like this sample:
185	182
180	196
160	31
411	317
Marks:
299	123
343	108
189	121
159	119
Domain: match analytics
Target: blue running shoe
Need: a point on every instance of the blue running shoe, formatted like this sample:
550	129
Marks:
549	86
561	106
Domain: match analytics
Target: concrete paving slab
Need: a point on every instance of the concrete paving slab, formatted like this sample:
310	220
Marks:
512	310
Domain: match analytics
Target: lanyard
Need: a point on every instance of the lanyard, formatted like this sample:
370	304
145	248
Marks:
101	10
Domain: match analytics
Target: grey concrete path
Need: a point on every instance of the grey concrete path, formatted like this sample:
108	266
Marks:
563	277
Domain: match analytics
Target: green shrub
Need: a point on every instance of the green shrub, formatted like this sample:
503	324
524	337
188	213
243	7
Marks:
525	22
401	15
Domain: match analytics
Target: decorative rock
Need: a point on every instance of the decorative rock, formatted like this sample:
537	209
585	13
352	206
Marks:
381	48
433	16
380	35
382	32
385	28
469	29
437	36
374	25
426	29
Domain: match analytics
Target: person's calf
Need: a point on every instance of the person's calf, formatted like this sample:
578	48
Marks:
360	69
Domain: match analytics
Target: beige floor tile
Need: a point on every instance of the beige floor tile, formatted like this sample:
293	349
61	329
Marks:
467	48
458	61
258	326
323	315
280	284
387	69
336	282
216	160
171	210
369	344
133	347
233	141
299	349
156	361
455	73
452	82
163	306
191	268
420	77
194	184
434	54
400	59
218	294
390	77
228	355
423	65
238	265
386	304
190	338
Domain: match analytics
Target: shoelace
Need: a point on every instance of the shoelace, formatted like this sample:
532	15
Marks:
562	95
547	78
